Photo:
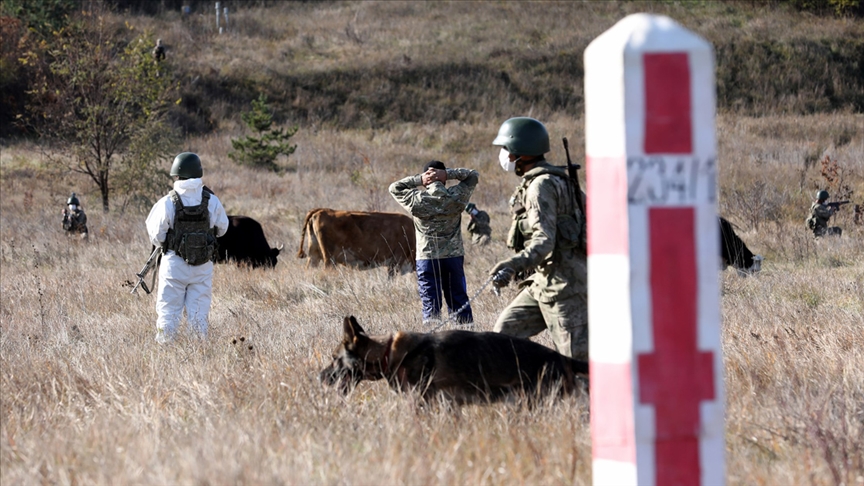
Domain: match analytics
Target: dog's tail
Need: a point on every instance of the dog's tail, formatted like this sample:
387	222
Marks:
578	367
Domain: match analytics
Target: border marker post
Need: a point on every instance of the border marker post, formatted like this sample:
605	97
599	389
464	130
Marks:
657	393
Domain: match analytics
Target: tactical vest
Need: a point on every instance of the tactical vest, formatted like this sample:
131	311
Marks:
818	220
570	227
192	238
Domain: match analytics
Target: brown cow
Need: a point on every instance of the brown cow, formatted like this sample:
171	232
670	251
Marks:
359	239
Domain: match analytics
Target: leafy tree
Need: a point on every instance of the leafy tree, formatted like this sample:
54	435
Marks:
261	149
24	26
13	79
40	16
102	102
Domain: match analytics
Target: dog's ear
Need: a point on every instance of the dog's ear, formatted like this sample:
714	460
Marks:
352	329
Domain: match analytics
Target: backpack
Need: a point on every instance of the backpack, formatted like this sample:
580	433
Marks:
192	238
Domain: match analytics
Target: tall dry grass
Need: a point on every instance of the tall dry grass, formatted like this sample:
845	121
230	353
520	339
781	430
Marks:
87	396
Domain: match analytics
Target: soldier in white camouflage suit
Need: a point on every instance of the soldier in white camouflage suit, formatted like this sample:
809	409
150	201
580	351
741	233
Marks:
437	212
185	223
548	235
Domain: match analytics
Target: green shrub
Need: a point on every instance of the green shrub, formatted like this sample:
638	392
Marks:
262	149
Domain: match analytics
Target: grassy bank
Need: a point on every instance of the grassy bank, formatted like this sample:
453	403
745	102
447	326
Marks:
376	64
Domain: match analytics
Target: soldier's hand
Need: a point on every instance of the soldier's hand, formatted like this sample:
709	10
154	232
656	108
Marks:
502	274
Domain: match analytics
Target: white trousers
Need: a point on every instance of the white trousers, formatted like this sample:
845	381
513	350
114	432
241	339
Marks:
183	286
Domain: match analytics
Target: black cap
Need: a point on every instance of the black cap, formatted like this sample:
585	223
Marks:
434	164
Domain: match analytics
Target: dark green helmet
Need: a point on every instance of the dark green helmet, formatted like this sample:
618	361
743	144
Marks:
822	195
73	199
523	136
187	166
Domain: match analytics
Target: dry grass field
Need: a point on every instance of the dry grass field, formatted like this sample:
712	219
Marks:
88	397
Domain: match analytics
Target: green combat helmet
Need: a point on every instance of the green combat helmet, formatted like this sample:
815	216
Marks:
822	195
523	136
187	166
73	199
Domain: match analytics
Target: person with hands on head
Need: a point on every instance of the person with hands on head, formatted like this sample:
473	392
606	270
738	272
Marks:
547	234
437	213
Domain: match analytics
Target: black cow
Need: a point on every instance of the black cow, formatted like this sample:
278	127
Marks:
734	252
244	242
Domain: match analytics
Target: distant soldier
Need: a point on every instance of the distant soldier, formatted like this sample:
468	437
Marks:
74	219
479	227
158	56
159	51
820	213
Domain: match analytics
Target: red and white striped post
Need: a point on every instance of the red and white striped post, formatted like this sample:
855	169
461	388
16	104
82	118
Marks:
653	247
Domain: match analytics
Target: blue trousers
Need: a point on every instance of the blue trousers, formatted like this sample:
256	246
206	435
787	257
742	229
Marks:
444	275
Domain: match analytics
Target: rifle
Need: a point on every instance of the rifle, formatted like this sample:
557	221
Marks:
574	176
151	262
67	223
837	204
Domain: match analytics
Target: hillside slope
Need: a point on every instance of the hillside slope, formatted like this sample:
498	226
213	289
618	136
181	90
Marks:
370	65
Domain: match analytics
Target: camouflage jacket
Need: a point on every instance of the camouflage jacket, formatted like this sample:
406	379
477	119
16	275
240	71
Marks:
479	224
437	211
820	214
75	220
547	222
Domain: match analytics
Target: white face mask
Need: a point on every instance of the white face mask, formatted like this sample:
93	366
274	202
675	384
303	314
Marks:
504	160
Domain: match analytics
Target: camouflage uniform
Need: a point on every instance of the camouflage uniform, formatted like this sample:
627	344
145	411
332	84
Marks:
479	228
75	221
548	234
437	212
820	214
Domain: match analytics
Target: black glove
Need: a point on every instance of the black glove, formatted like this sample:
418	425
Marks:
502	274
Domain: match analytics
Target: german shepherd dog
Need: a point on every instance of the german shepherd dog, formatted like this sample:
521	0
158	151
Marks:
462	366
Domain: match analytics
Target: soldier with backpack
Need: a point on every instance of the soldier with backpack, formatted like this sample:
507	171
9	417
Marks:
548	236
185	224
